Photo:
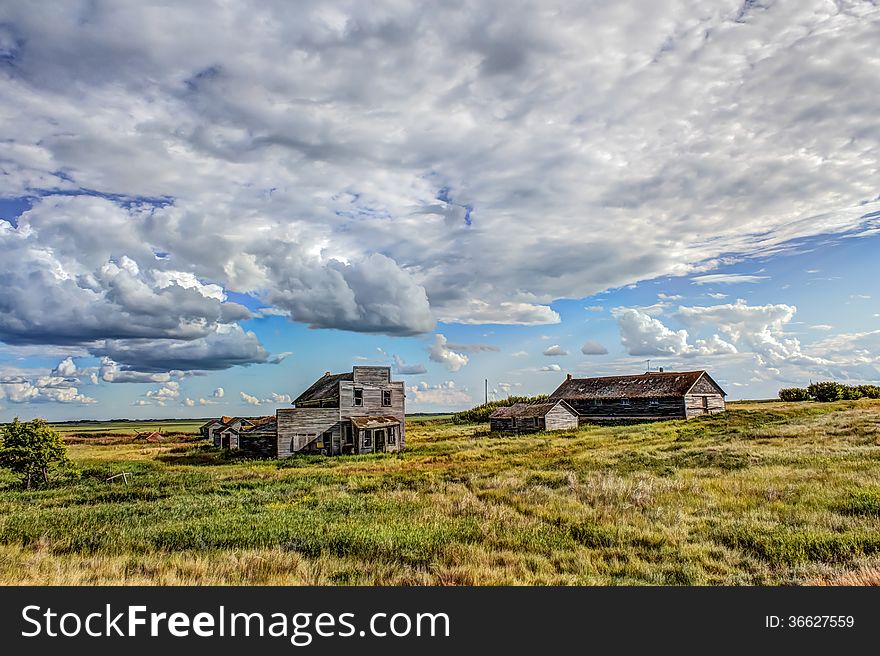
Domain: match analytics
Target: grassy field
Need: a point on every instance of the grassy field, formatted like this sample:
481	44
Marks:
166	426
766	493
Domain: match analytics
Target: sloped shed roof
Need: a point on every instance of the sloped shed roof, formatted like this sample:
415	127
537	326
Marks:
374	422
326	388
647	385
529	409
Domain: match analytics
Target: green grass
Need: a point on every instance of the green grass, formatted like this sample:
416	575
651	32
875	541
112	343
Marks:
769	493
97	428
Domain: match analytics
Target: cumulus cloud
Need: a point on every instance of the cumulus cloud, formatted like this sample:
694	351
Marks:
66	368
445	394
241	160
402	368
188	402
592	347
642	334
167	392
250	399
555	350
551	367
440	352
218	393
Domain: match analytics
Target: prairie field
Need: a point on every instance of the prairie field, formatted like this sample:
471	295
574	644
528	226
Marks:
764	494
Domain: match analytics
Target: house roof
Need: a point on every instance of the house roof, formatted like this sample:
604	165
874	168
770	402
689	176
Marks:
326	388
374	422
210	423
529	409
260	425
649	384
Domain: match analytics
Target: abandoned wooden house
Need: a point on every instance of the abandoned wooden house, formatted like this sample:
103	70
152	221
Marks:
534	417
361	411
652	396
226	431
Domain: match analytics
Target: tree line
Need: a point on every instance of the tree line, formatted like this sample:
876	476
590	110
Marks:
829	391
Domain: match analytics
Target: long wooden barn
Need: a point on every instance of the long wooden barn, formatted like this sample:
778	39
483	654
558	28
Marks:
652	396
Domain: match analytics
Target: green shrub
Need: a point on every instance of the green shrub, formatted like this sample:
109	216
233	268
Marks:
825	391
481	412
794	394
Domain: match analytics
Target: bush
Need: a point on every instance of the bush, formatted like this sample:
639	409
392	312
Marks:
826	391
31	449
794	394
482	412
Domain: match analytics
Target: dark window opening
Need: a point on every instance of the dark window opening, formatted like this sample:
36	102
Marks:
654	402
386	397
392	435
368	438
347	433
624	401
358	396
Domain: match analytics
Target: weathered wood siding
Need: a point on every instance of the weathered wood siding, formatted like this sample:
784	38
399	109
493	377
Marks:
372	405
616	409
703	404
371	375
559	418
500	425
261	445
299	426
705	386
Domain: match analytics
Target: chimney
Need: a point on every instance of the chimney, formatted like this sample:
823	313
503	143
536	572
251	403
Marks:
326	373
661	370
567	376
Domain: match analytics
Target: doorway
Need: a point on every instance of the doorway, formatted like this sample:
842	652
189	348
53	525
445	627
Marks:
380	437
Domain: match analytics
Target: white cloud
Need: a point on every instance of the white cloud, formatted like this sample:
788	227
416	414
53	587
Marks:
404	369
250	399
726	278
240	160
551	367
167	392
440	352
642	334
519	354
555	350
218	393
717	296
66	368
593	308
446	394
188	402
592	347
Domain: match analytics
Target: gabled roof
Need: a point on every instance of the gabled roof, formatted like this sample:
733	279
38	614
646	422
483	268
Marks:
524	410
649	384
210	423
326	388
260	425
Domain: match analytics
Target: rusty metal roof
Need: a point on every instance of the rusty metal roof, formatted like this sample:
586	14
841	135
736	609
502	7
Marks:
374	422
647	385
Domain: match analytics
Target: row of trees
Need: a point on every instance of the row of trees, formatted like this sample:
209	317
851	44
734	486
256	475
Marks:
31	449
830	391
482	411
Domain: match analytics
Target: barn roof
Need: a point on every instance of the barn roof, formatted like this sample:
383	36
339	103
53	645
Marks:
529	409
649	384
326	388
210	423
260	425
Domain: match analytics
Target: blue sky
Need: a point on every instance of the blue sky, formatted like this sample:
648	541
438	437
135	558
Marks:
203	226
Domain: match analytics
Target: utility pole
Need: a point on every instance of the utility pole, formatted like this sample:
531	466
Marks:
649	365
487	390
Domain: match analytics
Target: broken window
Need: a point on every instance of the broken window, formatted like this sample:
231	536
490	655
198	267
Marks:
386	397
624	401
358	398
654	402
368	438
392	435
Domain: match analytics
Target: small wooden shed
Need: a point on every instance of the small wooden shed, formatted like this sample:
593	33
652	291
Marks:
534	417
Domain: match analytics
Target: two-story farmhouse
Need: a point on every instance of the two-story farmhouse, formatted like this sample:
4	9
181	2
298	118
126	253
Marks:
650	396
357	412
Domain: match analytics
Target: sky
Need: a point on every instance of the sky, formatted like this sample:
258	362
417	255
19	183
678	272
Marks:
205	206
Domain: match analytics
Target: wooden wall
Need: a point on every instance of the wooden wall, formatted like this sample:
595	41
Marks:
612	409
714	403
371	375
372	407
559	418
298	426
261	445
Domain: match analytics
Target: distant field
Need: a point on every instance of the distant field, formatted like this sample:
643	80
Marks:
187	426
765	494
130	427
